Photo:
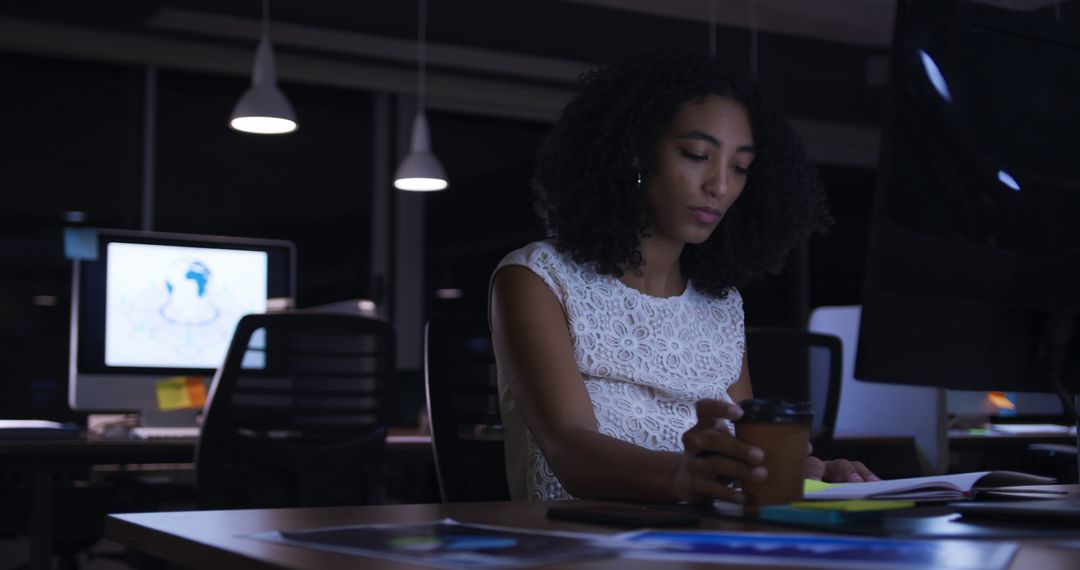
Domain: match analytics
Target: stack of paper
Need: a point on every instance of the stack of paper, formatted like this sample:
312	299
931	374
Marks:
36	429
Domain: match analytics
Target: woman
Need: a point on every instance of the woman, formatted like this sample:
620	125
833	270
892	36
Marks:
620	341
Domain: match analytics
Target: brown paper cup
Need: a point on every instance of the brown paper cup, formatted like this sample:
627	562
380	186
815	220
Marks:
781	428
785	447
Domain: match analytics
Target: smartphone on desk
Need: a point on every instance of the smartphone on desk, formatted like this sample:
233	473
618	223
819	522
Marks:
633	516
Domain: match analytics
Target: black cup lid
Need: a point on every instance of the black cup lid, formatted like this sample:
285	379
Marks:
775	411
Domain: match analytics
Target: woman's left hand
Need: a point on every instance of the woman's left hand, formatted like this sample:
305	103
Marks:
838	471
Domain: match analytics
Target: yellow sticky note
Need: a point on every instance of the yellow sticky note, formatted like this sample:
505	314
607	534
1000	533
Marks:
180	392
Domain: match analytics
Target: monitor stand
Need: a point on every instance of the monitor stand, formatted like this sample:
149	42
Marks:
1076	406
116	393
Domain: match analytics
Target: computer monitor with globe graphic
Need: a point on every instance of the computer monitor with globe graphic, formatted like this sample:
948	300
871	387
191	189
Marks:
152	306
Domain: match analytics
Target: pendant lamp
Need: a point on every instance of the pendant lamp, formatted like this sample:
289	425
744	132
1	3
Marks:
263	109
420	171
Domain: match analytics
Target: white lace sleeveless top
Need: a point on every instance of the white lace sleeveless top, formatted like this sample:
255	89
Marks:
645	361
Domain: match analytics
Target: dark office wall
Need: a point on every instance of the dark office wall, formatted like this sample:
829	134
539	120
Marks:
72	136
486	212
839	257
72	140
828	270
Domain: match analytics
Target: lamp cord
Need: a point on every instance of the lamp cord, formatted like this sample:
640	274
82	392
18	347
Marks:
421	57
753	39
712	29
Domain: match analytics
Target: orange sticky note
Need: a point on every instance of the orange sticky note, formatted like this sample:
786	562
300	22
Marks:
180	392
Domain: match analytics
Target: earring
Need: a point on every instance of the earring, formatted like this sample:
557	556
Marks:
639	180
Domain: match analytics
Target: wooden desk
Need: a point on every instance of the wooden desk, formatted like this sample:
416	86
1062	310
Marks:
215	539
43	457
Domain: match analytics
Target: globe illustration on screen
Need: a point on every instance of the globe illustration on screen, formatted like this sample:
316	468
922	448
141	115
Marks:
187	283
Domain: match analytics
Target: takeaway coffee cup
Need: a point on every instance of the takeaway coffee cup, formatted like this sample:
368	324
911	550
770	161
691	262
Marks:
781	428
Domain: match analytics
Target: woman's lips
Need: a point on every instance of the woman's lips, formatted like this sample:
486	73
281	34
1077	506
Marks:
706	215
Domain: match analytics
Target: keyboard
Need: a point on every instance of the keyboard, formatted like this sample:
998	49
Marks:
158	432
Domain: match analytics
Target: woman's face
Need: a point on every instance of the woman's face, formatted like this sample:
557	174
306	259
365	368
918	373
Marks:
702	158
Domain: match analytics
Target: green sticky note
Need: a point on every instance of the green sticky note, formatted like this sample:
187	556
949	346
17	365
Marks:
811	485
855	506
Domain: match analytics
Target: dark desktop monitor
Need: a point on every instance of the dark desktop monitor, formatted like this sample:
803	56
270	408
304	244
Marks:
150	306
973	272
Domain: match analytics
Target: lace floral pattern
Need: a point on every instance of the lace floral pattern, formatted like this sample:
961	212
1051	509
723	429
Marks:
645	360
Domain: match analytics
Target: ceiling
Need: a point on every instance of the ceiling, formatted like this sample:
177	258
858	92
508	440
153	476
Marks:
543	40
500	57
859	22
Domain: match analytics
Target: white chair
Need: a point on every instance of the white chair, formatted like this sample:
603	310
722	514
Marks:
868	408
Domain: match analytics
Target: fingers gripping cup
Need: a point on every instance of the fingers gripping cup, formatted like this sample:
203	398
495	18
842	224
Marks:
781	428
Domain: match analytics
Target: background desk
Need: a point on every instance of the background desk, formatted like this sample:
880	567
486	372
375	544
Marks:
985	451
895	456
214	539
43	458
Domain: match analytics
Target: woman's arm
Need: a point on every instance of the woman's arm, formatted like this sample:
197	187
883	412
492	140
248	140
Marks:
533	347
741	389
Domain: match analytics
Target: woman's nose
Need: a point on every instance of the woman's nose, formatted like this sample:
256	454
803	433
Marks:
715	183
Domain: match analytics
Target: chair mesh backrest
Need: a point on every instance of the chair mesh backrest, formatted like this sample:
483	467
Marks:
297	414
463	408
797	365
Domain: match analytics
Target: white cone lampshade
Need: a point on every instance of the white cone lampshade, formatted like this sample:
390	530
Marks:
420	171
263	109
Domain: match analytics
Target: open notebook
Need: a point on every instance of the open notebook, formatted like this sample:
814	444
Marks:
934	488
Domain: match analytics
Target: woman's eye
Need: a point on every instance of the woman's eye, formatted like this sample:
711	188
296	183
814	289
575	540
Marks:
694	157
741	169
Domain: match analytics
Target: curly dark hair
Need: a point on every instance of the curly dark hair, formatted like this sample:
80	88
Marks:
586	189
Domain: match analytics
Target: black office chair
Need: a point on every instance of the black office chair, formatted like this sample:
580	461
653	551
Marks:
798	365
297	414
463	408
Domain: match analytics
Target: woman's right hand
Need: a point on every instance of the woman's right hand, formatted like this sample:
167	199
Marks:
712	457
